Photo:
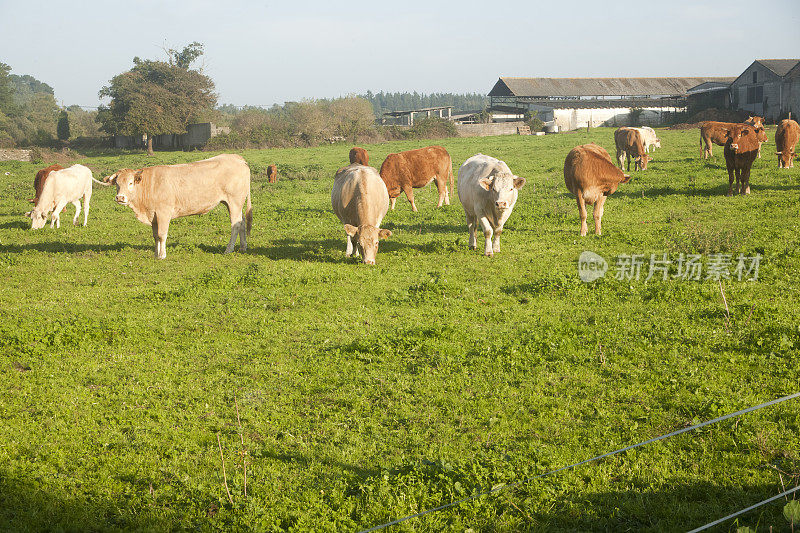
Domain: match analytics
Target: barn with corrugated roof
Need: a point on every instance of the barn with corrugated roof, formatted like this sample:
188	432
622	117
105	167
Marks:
769	88
573	103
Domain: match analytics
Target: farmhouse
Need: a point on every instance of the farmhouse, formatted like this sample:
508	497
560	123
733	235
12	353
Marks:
573	103
196	136
769	88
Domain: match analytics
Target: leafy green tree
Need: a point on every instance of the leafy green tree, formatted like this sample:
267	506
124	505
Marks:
62	129
6	89
157	97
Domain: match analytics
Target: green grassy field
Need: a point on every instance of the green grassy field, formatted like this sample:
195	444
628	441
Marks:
369	393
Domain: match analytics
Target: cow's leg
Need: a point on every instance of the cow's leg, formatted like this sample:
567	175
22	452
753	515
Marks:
745	185
738	173
409	190
487	233
350	246
582	213
77	204
472	226
496	240
392	201
597	213
730	180
55	219
441	185
86	198
160	230
237	228
620	158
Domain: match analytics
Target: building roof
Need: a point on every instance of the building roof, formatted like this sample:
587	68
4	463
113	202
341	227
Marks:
420	110
780	67
580	87
710	86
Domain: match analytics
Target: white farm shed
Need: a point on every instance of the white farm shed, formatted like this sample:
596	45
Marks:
573	103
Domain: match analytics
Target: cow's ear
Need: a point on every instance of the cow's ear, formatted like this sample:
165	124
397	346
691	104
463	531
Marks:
112	178
625	178
28	214
137	177
350	230
519	182
486	183
778	153
384	234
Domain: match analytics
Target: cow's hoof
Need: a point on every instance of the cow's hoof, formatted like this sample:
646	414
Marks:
473	247
489	254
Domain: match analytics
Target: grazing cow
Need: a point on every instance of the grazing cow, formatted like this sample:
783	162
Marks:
359	155
62	187
360	200
740	151
159	194
591	176
38	181
488	191
649	138
412	169
629	143
272	173
786	137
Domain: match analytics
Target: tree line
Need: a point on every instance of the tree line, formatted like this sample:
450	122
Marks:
156	97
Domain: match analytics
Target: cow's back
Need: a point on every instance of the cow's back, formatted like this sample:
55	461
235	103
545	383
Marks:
415	167
359	196
67	184
787	134
590	172
41	178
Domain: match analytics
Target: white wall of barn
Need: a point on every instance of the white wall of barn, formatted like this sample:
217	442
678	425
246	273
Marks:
572	119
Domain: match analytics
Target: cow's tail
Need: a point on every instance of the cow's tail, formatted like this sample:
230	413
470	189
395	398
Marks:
450	176
248	215
104	184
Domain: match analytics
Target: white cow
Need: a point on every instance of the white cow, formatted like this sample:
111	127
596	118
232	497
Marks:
61	188
488	191
360	200
649	138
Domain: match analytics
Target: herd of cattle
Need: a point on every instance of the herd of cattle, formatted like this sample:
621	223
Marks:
362	195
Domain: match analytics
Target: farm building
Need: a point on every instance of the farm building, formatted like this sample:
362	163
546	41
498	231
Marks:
196	136
769	88
573	103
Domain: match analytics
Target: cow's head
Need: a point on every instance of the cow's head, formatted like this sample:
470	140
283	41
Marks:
38	217
734	136
761	134
126	181
658	143
367	238
786	158
641	162
754	121
503	187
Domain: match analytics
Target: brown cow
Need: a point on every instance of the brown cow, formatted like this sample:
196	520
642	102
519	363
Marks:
41	177
412	169
786	137
630	143
590	175
717	133
272	173
359	155
741	149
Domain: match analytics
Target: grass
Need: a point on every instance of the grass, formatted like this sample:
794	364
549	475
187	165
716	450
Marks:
369	393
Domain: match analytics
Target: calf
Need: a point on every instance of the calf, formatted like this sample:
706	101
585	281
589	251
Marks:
591	176
39	180
756	121
786	137
360	200
488	191
741	149
649	138
272	174
60	188
412	169
359	155
159	194
629	143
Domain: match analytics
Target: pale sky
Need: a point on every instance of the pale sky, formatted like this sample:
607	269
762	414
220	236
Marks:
261	53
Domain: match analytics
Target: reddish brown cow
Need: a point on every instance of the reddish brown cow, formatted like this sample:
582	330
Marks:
41	177
630	143
412	169
741	149
359	155
717	133
272	173
786	137
590	175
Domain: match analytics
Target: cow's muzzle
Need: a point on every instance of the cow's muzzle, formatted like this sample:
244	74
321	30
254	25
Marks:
734	147
121	199
501	205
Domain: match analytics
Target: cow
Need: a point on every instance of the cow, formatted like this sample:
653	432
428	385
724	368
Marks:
360	200
717	133
488	191
741	149
629	143
359	155
39	180
272	173
786	137
60	188
649	138
591	176
159	194
756	121
412	169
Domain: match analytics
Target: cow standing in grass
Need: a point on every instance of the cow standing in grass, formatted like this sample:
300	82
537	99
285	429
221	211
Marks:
360	200
412	169
159	194
741	149
40	179
488	190
786	137
591	176
359	155
630	144
272	174
62	187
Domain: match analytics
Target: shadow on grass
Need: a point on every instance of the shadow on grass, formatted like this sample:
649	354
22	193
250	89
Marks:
70	247
17	224
422	228
659	192
319	250
306	462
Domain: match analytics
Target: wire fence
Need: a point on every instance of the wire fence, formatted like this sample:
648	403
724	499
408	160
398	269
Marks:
737	513
595	458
